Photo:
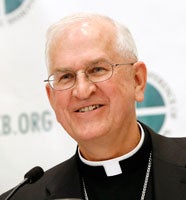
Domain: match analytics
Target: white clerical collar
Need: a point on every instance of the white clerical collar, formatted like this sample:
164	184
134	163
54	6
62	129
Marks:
112	166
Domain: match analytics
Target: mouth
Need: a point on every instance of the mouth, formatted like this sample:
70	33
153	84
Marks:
89	108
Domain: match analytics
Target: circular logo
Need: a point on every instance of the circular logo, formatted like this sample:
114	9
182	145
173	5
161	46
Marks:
11	6
12	10
159	105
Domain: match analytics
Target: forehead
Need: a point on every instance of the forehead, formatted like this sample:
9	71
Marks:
83	42
86	28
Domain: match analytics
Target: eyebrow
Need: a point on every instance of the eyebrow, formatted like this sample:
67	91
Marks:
100	59
61	69
88	63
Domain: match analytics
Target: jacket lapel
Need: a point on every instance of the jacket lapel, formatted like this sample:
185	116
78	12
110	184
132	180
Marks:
168	167
66	183
168	182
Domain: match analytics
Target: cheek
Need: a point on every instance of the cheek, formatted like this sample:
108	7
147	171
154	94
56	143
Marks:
124	85
60	105
122	94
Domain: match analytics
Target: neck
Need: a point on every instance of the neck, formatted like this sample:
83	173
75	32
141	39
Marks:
111	147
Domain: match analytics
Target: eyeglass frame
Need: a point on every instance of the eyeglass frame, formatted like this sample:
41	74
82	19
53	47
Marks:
87	76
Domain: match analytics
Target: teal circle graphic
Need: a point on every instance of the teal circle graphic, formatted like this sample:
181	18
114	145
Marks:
153	100
12	5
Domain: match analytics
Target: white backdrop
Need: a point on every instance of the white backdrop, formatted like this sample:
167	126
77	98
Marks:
29	135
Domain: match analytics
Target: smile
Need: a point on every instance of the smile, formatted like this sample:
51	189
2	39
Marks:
89	108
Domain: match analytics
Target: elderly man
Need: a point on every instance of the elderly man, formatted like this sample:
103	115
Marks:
94	81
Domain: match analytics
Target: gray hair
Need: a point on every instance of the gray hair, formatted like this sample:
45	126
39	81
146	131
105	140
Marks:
124	40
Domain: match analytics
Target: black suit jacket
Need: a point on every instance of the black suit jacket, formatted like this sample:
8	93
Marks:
168	172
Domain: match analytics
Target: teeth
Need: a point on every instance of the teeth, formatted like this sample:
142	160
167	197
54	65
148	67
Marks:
89	108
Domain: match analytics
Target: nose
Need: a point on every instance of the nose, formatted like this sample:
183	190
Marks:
83	87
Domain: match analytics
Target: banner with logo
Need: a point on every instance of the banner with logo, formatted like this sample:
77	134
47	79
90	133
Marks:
29	133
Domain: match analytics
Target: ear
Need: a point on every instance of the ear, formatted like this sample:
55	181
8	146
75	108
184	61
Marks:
49	94
140	78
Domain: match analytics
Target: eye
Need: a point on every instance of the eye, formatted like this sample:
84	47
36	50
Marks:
97	70
65	77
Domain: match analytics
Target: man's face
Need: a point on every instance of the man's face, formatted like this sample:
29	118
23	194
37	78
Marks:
93	111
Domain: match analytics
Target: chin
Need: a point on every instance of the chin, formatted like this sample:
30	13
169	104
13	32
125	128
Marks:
90	135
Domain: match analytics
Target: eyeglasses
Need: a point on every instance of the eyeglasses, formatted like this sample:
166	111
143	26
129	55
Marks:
66	79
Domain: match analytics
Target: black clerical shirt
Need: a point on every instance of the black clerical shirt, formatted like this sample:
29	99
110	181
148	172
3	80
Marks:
126	186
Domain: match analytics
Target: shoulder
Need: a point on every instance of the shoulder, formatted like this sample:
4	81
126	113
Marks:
63	168
51	178
170	149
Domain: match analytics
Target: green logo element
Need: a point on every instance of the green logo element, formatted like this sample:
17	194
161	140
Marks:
152	110
12	5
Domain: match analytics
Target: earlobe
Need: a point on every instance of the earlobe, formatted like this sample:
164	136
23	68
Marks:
140	80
